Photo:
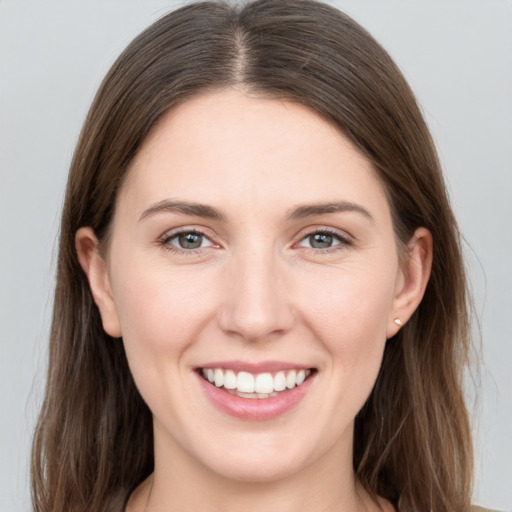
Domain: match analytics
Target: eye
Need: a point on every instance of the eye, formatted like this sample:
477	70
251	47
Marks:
323	239
187	240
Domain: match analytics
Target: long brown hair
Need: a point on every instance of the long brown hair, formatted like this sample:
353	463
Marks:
93	443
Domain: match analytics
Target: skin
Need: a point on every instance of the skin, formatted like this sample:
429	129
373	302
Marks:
256	290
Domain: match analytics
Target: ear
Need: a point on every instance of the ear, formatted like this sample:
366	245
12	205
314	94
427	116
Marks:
412	280
95	268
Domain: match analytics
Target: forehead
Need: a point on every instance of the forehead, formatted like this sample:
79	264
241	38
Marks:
228	148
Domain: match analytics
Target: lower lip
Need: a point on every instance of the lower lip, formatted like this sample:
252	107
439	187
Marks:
255	409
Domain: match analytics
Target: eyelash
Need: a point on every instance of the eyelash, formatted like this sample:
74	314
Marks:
166	239
344	241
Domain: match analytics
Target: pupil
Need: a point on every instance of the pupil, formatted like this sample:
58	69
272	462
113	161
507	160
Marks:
190	241
320	241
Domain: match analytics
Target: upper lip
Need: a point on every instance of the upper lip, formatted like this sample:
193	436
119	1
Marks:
255	368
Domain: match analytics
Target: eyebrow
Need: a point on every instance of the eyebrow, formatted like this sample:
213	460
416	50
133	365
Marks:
296	213
184	207
311	209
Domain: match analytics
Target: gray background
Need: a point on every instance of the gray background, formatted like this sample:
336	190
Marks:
53	54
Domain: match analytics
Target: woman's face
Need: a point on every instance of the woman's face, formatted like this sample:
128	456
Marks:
251	241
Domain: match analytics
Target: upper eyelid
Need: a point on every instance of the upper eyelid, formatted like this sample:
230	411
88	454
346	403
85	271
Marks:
174	234
304	231
325	230
171	233
164	241
341	234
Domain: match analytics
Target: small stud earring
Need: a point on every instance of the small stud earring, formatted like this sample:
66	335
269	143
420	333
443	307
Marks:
398	322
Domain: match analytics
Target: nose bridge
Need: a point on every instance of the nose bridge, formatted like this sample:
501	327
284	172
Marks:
257	304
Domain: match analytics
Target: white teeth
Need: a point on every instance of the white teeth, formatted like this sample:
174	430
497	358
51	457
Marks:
290	379
245	382
262	385
280	381
230	379
246	395
219	377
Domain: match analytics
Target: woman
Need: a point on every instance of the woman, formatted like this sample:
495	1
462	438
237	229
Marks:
260	299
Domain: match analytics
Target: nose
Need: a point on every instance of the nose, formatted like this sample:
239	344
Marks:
257	301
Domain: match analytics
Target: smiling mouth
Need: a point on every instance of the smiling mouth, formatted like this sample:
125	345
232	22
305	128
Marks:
255	386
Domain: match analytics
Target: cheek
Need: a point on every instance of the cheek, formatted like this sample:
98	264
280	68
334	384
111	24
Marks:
352	300
157	305
348	310
161	313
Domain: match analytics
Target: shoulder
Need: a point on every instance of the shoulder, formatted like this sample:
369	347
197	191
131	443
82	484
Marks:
476	508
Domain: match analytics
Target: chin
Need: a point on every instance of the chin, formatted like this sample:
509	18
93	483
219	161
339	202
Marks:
257	471
258	458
